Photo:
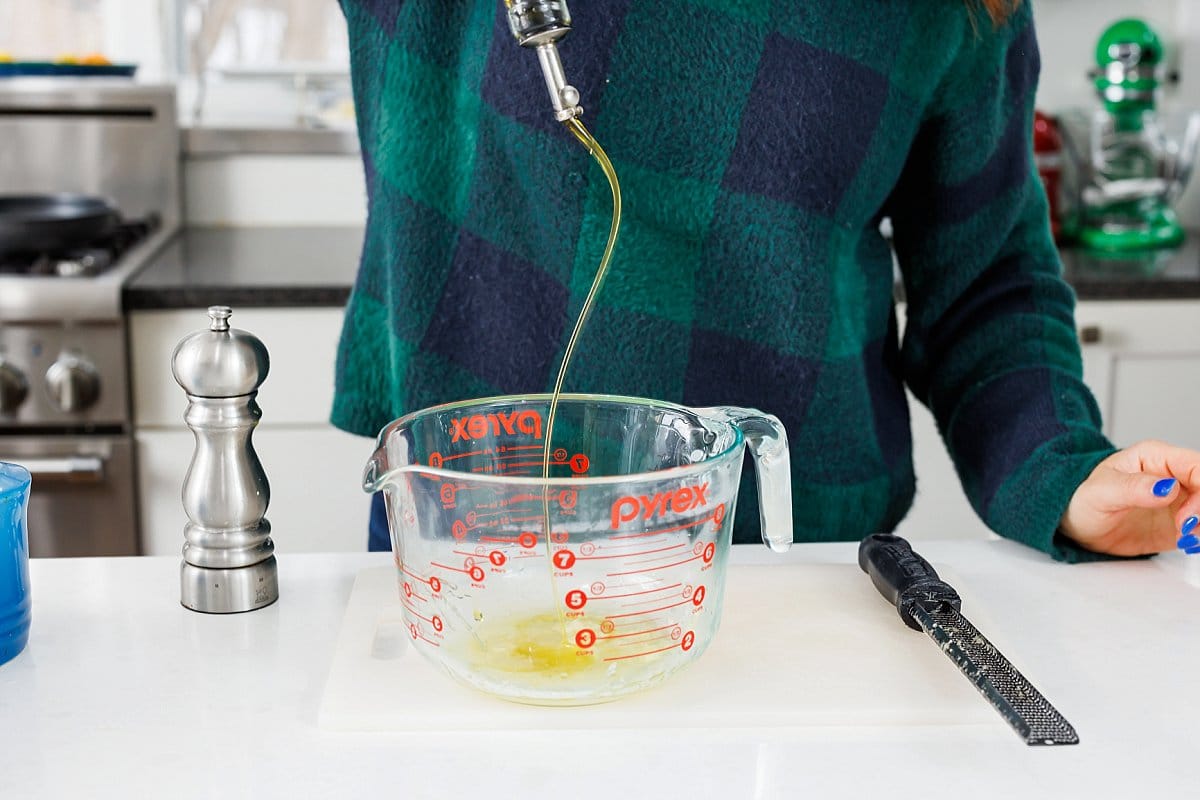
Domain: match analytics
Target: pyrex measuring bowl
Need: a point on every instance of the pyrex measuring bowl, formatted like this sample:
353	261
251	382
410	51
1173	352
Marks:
626	586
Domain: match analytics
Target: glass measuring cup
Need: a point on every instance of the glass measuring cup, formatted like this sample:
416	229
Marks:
625	585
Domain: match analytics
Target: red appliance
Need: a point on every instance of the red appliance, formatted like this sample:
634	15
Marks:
1048	155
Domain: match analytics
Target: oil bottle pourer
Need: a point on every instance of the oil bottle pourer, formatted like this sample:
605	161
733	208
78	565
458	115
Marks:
540	24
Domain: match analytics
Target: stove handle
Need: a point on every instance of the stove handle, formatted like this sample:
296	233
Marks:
69	469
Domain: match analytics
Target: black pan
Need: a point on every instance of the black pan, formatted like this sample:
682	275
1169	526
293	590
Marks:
49	222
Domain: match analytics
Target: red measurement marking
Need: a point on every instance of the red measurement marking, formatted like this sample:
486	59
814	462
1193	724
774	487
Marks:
497	558
652	569
567	498
635	633
647	653
504	539
559	455
477	574
634	594
437	623
641	553
458	529
409	591
435	460
651	600
579	463
412	574
576	599
647	611
585	638
464	455
445	566
447	493
658	637
524	519
709	551
416	634
698	597
718	515
559	537
435	584
521	447
564	559
691	524
412	610
689	639
527	540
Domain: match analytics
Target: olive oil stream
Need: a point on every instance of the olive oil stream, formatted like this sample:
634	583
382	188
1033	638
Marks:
585	138
540	643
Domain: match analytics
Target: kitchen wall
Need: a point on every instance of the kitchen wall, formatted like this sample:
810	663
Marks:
263	189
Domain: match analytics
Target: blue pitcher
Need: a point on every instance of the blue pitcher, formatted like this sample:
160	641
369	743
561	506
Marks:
14	560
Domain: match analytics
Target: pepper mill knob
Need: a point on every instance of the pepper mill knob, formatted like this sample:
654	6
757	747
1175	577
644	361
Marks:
228	556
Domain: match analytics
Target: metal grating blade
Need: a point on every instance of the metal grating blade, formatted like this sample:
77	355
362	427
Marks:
1021	705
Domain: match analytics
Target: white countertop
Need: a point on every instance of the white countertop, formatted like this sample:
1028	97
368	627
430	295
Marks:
124	693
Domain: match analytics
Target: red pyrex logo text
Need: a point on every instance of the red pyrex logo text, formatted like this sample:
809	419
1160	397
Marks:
685	498
477	426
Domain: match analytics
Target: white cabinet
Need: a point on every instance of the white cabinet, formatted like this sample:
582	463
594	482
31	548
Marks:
1142	361
314	469
1144	368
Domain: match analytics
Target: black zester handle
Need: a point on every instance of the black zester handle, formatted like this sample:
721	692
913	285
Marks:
902	576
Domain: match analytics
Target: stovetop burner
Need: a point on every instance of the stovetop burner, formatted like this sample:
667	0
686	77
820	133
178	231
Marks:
82	262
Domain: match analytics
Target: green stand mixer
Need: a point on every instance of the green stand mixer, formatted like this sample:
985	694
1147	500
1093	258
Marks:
1136	171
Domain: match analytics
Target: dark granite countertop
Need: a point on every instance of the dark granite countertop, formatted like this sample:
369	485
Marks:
1156	275
255	267
286	266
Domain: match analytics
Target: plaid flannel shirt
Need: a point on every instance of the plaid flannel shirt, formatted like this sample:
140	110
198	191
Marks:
759	144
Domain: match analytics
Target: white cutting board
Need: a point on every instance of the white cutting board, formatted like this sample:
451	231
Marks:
799	645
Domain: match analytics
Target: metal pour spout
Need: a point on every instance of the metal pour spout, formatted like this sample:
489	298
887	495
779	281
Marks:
540	24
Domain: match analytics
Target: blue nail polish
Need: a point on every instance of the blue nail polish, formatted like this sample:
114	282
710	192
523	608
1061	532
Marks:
1164	487
1188	525
1192	550
1186	542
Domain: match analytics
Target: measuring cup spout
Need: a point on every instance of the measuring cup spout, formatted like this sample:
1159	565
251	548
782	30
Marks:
380	468
375	474
766	440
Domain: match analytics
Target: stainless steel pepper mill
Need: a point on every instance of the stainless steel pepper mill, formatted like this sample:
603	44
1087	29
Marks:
228	557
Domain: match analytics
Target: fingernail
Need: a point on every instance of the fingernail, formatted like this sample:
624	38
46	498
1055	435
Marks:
1191	551
1187	541
1164	487
1189	525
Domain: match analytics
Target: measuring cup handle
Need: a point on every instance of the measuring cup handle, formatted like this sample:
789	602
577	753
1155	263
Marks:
766	440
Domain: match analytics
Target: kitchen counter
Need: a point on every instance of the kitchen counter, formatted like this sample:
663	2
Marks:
1156	275
123	693
267	267
249	267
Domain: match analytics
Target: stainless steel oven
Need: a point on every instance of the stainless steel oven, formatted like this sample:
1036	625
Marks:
64	382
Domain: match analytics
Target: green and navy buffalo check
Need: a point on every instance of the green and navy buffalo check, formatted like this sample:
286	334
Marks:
759	145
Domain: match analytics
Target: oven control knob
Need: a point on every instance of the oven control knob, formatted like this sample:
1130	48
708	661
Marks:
73	383
13	387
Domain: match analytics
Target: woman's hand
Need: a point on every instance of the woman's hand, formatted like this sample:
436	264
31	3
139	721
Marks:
1139	500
